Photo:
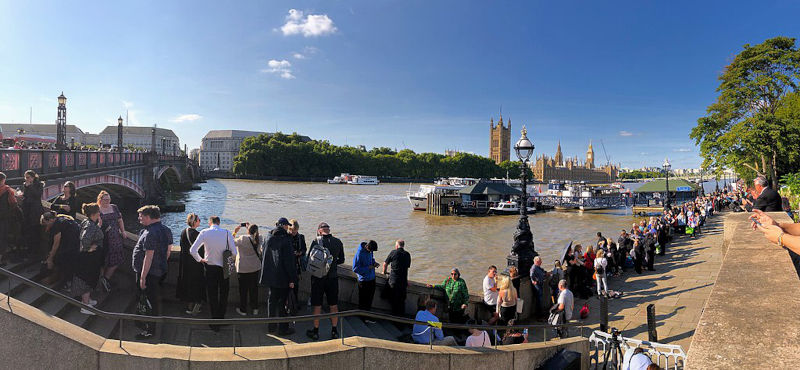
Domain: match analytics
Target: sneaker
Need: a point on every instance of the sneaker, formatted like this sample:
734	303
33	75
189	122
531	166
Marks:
194	310
144	335
92	302
87	312
255	312
313	334
106	284
240	312
334	333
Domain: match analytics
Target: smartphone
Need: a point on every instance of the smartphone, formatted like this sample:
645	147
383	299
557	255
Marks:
243	224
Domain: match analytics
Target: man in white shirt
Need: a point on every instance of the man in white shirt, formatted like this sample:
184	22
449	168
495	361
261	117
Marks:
215	241
566	301
490	293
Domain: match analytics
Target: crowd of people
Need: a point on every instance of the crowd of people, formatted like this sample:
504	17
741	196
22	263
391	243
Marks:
36	145
84	256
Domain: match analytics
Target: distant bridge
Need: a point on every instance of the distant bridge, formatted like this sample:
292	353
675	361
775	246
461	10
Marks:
143	176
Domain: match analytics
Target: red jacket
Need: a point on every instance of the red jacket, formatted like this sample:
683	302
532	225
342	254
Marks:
12	198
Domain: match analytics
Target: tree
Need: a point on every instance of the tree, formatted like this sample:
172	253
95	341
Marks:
748	128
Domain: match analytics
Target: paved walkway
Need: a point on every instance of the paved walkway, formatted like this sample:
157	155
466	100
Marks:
679	289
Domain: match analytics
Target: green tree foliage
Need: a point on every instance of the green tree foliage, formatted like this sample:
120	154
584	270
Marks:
754	124
637	174
288	155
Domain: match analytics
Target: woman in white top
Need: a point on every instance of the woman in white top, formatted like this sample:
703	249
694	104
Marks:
600	265
248	267
477	338
506	299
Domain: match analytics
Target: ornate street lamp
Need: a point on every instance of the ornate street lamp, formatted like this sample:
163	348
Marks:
702	185
119	134
72	143
61	123
522	251
667	167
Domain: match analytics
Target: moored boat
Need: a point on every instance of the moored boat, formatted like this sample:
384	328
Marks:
363	180
508	208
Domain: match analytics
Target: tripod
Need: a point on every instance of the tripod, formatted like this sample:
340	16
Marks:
613	351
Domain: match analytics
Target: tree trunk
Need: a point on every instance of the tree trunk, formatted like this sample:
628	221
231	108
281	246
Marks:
774	170
763	164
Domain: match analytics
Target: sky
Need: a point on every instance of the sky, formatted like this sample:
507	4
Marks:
631	76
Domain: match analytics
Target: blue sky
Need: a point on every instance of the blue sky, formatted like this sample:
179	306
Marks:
426	75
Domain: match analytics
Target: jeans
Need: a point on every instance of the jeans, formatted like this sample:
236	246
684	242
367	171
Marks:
601	280
248	290
276	305
218	288
366	292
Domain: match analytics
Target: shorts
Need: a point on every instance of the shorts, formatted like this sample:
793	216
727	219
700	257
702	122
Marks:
329	287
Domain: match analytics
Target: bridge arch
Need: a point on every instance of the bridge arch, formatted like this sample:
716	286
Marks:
170	171
119	184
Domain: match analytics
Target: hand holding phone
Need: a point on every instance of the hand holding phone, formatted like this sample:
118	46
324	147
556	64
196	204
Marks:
243	224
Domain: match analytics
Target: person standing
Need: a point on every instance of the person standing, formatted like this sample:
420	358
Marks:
278	273
67	203
490	293
650	250
191	287
32	210
600	266
457	296
150	260
114	230
300	250
216	241
566	304
506	300
364	266
248	267
8	205
90	259
400	261
538	275
328	285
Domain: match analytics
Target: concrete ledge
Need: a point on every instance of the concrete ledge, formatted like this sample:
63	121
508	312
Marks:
750	320
32	339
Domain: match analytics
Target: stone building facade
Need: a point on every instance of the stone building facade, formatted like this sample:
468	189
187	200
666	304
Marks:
499	141
559	168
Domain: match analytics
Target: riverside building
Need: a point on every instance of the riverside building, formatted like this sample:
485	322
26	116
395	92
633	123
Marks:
559	168
142	137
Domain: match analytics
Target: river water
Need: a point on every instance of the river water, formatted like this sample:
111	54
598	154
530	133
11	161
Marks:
382	213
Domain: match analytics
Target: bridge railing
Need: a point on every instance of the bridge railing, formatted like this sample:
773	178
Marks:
14	162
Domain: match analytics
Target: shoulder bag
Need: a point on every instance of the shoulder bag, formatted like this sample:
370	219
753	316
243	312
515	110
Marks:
228	263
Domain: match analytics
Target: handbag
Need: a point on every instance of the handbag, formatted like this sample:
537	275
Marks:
228	263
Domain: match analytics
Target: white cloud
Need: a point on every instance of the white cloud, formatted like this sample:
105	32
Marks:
311	25
625	133
281	68
683	150
307	52
186	118
127	104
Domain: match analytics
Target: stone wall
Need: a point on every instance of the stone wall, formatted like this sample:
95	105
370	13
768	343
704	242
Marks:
750	320
32	339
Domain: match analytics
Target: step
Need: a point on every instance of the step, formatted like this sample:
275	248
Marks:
31	272
73	315
29	294
391	328
52	306
355	327
121	301
380	332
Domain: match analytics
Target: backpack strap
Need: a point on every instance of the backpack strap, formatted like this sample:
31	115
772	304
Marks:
253	243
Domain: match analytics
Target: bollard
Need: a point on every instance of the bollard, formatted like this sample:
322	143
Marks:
652	335
603	314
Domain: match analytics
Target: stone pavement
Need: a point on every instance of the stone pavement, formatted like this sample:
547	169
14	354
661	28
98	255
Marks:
679	288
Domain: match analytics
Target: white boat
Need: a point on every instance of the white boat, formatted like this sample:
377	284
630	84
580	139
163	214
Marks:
457	181
508	208
341	179
419	198
363	180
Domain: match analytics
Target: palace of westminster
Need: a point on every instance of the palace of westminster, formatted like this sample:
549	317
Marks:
547	168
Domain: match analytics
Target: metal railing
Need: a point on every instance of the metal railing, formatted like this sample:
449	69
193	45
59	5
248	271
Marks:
122	317
661	354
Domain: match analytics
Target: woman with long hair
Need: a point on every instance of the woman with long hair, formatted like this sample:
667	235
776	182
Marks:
191	287
32	211
67	203
114	230
249	250
506	299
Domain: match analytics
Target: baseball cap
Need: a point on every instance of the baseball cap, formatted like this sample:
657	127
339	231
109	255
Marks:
322	225
283	222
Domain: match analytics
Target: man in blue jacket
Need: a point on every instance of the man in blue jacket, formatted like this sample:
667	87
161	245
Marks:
364	266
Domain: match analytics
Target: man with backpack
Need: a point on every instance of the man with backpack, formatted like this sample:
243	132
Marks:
324	257
278	273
